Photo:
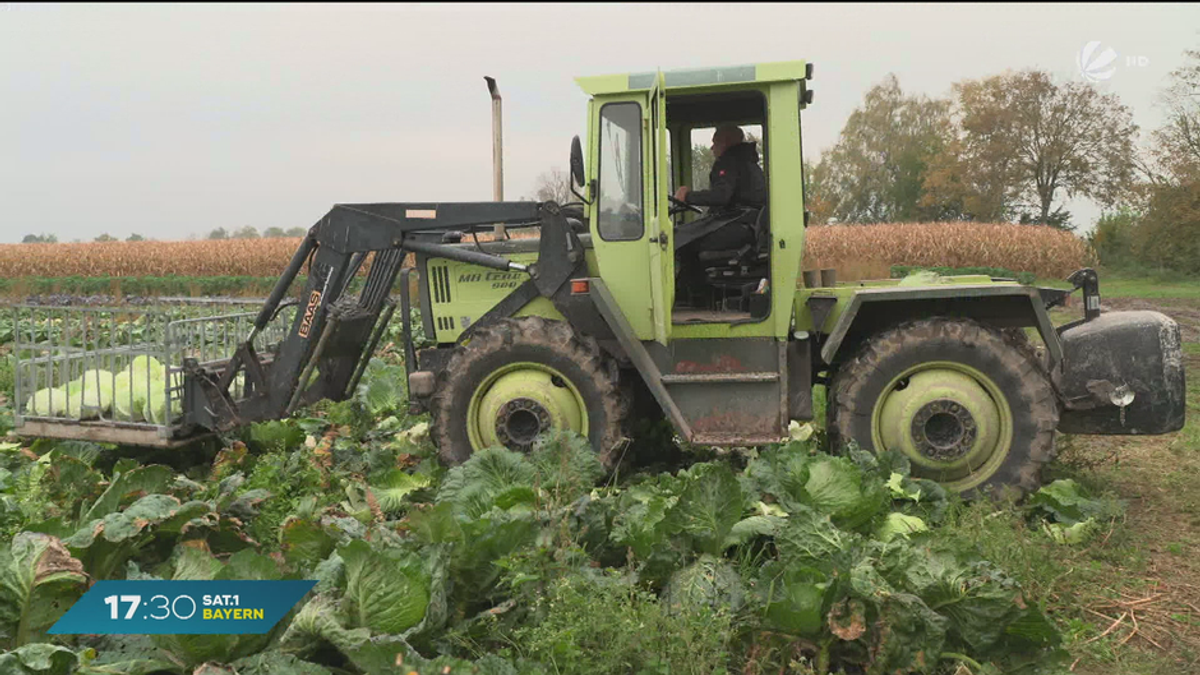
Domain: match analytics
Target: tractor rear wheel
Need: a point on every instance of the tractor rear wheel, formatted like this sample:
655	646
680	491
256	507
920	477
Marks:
518	378
966	404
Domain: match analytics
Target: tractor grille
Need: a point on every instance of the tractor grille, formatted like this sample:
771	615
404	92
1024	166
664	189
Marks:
439	276
445	323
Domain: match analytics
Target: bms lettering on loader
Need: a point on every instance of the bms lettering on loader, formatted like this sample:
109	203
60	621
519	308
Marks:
942	373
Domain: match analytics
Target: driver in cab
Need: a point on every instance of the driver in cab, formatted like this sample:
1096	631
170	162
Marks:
736	180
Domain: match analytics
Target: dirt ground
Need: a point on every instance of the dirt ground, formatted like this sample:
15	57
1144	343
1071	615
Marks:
1147	602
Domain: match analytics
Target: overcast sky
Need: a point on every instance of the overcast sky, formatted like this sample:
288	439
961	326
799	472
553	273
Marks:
173	120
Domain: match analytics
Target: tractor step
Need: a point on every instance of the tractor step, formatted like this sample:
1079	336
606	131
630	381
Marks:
718	378
735	439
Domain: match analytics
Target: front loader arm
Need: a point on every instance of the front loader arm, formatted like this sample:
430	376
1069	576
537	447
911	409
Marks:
340	330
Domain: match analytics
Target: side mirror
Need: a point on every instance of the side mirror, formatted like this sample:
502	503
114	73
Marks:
577	177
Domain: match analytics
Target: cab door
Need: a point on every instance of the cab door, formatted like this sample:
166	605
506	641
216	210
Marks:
631	231
658	222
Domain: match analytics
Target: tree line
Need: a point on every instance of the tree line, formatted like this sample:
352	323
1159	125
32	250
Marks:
1157	228
247	232
1007	148
1014	148
53	239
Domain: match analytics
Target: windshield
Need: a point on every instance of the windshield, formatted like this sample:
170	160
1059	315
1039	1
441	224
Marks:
620	171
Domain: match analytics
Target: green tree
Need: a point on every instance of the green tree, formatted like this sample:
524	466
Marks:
247	232
876	170
817	200
1112	238
135	237
1168	236
1168	198
273	232
1025	142
702	164
218	233
105	237
40	239
296	232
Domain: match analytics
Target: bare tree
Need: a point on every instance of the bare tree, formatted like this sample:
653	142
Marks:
1026	141
1177	143
553	186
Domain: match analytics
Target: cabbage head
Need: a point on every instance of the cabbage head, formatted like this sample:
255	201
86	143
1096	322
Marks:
49	402
708	583
90	395
156	402
131	388
125	405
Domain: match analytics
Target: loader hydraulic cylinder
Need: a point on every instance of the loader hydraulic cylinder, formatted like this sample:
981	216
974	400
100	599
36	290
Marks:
464	255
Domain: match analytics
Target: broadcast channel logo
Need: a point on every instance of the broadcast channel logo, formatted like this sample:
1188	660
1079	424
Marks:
1096	65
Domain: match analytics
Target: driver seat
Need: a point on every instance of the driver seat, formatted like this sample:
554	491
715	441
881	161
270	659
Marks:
738	273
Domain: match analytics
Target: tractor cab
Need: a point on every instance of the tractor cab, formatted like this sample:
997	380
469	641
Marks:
649	134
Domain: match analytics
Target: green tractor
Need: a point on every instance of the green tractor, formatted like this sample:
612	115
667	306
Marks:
942	373
572	322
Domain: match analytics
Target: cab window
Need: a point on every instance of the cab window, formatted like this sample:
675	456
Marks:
620	214
702	157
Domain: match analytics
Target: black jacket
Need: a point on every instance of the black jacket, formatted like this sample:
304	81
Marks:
735	180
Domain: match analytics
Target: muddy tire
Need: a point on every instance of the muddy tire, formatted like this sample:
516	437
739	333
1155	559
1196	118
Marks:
518	377
969	405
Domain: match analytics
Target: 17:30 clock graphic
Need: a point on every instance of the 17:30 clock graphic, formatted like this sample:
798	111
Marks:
170	607
181	607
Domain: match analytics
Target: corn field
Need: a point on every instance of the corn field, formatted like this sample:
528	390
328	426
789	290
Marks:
1044	251
219	257
870	249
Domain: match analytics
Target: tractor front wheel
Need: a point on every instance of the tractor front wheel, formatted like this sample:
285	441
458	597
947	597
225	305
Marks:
967	407
518	378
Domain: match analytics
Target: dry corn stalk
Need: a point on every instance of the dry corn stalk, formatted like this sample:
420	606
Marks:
1041	250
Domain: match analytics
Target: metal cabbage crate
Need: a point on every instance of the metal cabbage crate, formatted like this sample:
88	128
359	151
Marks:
70	361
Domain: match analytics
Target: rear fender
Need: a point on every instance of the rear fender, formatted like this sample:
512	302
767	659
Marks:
873	310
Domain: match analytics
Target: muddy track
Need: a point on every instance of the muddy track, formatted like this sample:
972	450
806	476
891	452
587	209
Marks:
1186	313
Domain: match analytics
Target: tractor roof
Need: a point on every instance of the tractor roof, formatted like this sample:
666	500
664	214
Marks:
779	71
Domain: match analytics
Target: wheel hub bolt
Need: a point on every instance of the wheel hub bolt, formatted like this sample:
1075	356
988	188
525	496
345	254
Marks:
944	430
519	422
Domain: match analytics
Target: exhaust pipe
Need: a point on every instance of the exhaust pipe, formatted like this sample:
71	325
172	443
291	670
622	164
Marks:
497	148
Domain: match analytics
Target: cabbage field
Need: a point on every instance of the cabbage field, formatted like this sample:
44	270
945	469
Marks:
779	559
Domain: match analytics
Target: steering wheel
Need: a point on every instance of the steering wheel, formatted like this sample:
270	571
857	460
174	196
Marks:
680	207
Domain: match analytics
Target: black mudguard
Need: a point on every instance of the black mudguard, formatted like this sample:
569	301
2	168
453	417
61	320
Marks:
1122	374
